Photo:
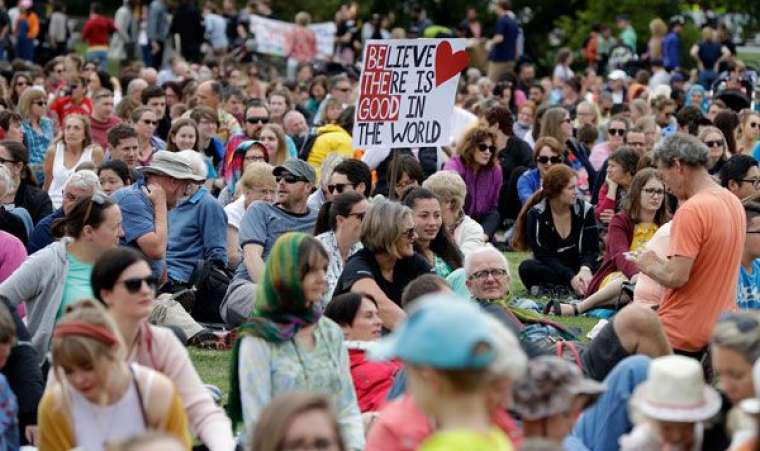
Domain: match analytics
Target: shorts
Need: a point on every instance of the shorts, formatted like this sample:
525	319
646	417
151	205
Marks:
604	352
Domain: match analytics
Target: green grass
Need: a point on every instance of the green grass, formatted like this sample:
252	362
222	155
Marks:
214	366
750	58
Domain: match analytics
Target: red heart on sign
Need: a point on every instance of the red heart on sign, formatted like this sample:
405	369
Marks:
447	63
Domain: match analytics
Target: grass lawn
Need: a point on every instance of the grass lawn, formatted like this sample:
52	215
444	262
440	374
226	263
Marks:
213	366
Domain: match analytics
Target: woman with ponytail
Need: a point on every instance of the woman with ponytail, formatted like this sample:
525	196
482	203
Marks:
59	274
286	345
97	398
560	229
339	228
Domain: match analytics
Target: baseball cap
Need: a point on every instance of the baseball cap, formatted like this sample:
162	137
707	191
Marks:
299	168
549	387
442	331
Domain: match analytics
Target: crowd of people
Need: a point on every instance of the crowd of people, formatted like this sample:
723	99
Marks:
198	200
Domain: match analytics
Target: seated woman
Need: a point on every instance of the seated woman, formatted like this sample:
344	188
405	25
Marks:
338	228
433	242
97	396
560	229
388	261
715	141
121	280
548	153
357	315
621	167
617	127
451	191
476	162
404	172
287	345
59	274
114	175
643	212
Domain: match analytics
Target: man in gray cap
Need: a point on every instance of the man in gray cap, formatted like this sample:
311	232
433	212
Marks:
144	205
260	227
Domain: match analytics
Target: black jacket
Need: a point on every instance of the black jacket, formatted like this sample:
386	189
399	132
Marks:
34	200
514	159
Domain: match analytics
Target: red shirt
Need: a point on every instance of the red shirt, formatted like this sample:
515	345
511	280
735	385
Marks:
372	380
97	31
63	106
100	129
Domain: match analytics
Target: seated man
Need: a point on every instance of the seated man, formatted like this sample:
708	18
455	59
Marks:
260	227
197	234
144	205
83	183
748	287
634	330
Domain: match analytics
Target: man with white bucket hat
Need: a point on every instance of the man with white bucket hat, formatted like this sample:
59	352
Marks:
671	406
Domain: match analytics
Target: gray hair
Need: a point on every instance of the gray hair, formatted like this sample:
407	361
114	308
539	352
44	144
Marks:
731	333
448	186
6	181
382	226
134	85
487	249
84	179
685	148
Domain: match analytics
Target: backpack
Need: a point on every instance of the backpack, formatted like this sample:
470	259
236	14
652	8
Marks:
211	279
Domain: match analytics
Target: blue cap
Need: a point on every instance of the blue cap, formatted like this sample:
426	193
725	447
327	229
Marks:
442	331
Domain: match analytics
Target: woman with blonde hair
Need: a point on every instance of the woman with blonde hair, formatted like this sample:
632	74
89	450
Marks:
98	398
717	148
273	137
658	29
73	148
749	133
39	129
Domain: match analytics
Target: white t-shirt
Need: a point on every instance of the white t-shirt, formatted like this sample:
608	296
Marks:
235	211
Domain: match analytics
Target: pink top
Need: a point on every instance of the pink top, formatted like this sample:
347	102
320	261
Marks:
301	44
647	291
599	153
12	255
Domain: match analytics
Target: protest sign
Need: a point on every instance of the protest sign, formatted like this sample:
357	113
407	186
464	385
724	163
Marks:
407	92
270	36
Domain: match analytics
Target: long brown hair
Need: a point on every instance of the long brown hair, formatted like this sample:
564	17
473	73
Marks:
632	201
551	123
275	420
171	146
555	180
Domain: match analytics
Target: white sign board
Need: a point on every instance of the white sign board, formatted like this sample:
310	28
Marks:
270	36
407	92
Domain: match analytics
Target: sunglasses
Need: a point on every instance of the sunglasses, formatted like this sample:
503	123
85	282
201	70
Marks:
410	233
257	120
486	148
716	143
754	124
148	122
616	131
484	274
134	284
545	160
359	216
289	179
339	187
654	191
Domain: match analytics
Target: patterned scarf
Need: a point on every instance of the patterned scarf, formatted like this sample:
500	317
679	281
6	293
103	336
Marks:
280	310
237	164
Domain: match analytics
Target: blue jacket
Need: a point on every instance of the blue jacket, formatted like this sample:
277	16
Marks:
42	235
528	183
671	51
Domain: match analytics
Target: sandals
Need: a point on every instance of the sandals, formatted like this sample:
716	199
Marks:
555	307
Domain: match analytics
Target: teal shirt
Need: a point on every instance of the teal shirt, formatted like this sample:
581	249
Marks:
77	284
628	36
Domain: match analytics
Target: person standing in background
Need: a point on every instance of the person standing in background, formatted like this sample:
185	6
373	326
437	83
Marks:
503	46
123	41
97	31
27	29
671	45
158	31
627	33
300	44
58	29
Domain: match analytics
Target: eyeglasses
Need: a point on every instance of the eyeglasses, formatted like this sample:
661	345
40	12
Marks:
4	161
494	272
339	187
410	233
289	179
134	284
716	143
616	131
257	120
359	216
754	181
743	322
148	122
543	159
486	148
255	158
654	191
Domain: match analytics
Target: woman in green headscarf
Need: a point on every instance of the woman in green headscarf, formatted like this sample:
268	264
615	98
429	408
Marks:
287	345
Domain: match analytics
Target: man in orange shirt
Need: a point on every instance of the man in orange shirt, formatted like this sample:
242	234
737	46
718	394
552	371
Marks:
707	240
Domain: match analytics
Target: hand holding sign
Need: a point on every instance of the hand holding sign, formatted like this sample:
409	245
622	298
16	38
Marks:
406	93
